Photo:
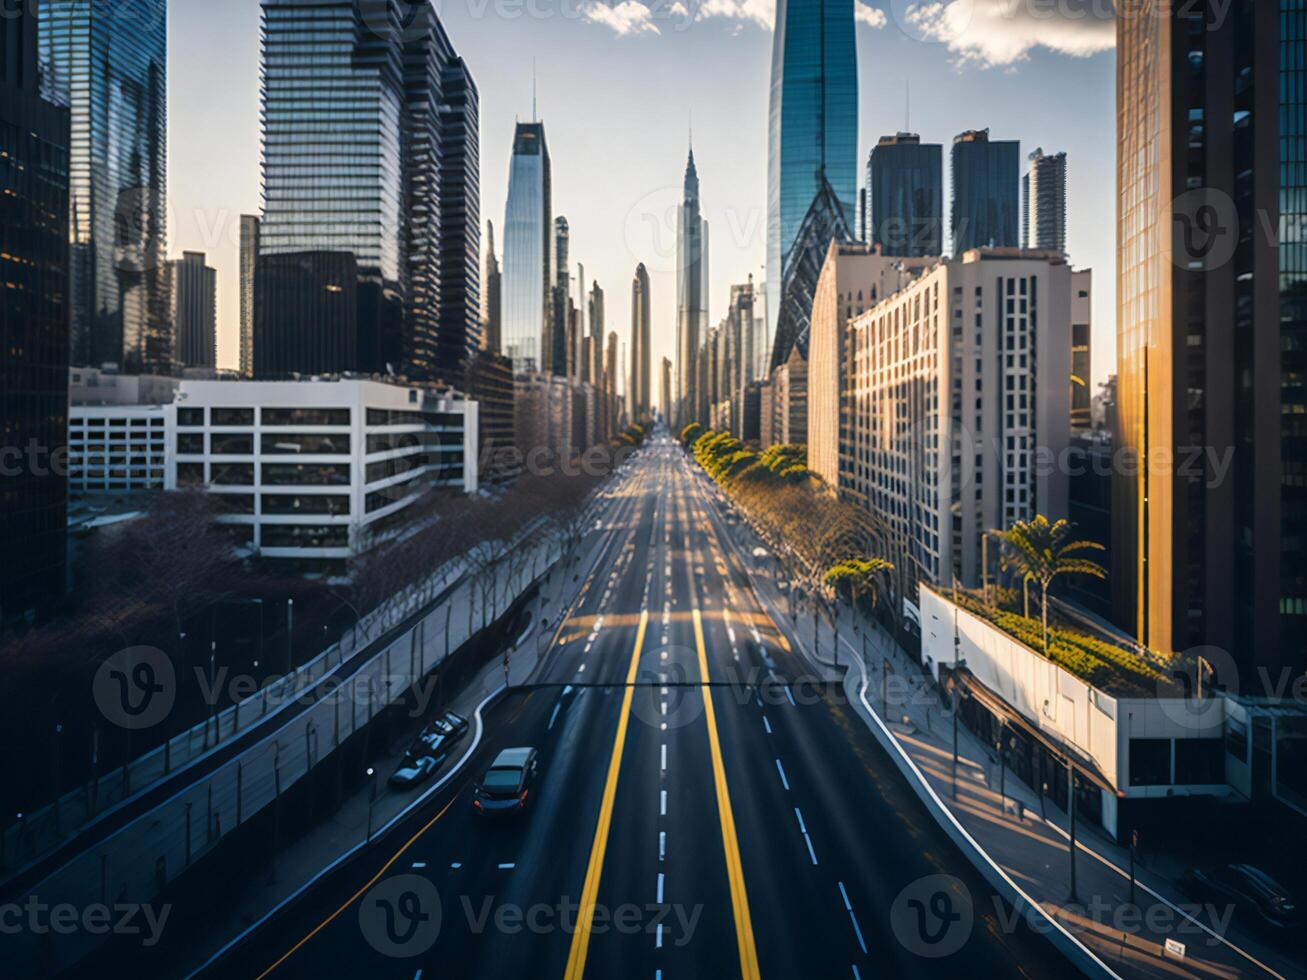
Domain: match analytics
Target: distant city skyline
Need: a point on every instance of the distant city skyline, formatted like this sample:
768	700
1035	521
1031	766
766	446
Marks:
1052	92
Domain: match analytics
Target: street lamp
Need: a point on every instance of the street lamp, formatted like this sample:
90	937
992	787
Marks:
372	774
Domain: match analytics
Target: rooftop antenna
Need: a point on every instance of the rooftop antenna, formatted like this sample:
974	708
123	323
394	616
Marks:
907	106
535	114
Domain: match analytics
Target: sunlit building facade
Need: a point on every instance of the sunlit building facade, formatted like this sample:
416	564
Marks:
1212	333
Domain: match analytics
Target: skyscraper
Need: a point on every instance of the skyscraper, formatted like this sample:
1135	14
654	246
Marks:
666	395
1212	334
1043	203
195	311
492	314
559	357
986	191
905	200
383	169
597	320
34	138
108	63
249	257
691	294
640	392
813	125
528	225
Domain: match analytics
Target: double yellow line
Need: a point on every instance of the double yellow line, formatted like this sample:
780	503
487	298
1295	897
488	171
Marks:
730	842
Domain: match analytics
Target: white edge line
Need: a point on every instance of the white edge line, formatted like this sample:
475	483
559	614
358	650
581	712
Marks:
402	815
952	818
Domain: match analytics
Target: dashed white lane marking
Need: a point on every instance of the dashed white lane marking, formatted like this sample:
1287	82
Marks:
662	804
781	769
856	928
507	867
658	942
554	717
581	669
660	888
662	845
790	695
765	723
856	974
664	758
419	864
456	865
803	829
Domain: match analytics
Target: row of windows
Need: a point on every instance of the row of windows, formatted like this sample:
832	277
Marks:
240	444
192	418
275	475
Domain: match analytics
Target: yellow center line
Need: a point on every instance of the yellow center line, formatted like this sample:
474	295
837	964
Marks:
590	891
730	842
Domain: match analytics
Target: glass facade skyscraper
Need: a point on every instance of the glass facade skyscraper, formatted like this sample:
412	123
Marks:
34	136
691	298
813	124
1043	202
986	192
528	227
905	181
108	63
371	152
1212	333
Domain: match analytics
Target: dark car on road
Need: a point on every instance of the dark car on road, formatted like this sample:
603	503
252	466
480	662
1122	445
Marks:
413	771
450	725
1258	899
505	789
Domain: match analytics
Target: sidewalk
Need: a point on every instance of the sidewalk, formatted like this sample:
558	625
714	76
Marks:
1003	817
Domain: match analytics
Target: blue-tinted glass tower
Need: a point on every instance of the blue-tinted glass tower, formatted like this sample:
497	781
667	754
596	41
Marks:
528	226
108	63
986	192
905	181
813	125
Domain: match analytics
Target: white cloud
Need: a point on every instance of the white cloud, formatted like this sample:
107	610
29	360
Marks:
759	12
871	16
626	18
992	33
678	9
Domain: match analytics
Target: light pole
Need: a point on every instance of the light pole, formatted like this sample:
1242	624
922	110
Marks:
372	800
1071	811
290	635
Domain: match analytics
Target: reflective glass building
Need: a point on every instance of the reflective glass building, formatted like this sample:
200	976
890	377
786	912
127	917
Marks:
1212	334
528	227
691	298
986	192
905	181
813	123
34	251
371	153
107	62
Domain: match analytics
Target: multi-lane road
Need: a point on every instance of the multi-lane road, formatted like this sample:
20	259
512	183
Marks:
705	807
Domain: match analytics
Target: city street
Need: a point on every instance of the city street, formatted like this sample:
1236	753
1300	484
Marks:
712	806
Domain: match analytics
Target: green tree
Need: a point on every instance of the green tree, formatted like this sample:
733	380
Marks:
1042	551
859	576
691	433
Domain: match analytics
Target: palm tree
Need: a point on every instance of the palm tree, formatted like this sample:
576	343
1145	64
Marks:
859	576
1043	551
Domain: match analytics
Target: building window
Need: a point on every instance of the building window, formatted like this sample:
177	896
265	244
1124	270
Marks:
284	504
231	445
231	417
305	416
190	418
302	444
190	443
306	474
1150	762
188	474
305	536
233	474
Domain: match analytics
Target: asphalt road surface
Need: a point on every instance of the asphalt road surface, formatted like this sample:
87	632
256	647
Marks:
706	807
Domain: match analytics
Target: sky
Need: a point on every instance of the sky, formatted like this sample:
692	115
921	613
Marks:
620	86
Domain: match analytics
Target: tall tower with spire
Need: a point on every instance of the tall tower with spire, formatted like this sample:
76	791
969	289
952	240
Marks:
492	312
691	294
